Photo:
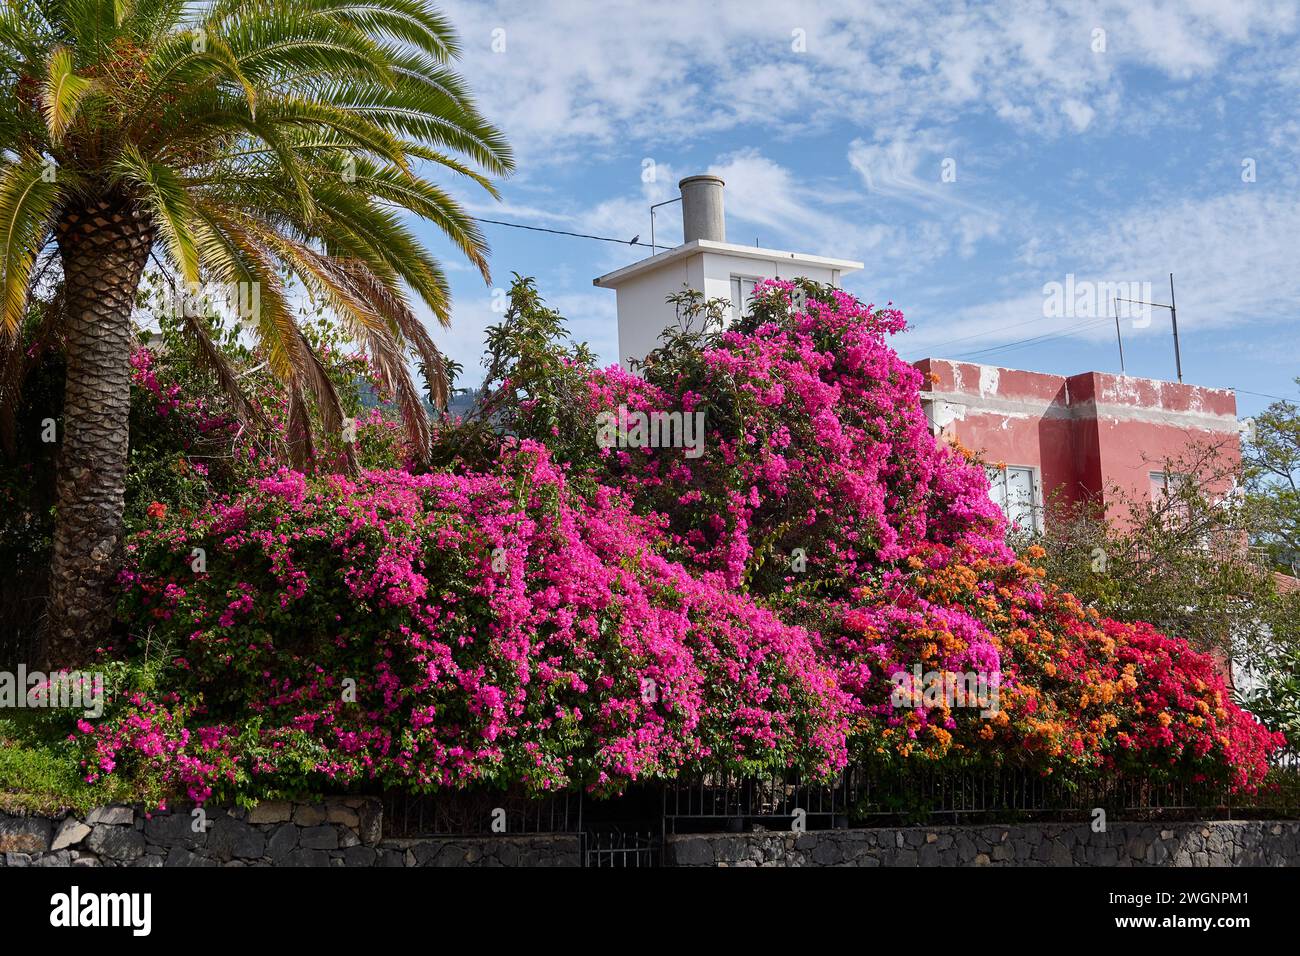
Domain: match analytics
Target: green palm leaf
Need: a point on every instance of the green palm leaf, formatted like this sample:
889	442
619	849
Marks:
164	192
29	194
63	93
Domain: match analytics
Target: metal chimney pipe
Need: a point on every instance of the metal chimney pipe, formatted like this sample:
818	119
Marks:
702	215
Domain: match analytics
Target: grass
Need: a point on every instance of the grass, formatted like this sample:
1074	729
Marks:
39	771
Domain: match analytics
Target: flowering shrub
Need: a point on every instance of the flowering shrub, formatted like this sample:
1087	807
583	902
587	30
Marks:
453	630
149	743
547	612
1076	692
822	492
815	440
820	449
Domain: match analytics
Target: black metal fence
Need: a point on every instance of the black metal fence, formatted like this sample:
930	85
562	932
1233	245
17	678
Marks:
475	813
618	848
629	831
726	802
1009	794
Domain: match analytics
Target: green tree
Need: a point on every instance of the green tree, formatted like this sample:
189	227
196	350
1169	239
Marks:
1273	480
534	386
1181	560
267	145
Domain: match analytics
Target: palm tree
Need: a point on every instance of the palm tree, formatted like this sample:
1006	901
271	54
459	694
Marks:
268	143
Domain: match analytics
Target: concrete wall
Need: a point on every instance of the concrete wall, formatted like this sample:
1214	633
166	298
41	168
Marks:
1216	843
643	297
1084	433
643	314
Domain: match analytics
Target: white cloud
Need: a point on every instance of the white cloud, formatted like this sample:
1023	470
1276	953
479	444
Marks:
580	83
1233	265
908	166
576	76
1080	114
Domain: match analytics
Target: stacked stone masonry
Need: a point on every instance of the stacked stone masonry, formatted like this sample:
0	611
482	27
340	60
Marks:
1204	844
348	832
338	832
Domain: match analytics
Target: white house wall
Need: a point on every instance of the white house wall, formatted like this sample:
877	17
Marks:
644	313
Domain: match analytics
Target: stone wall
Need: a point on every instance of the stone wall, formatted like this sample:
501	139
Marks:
348	832
337	832
1213	843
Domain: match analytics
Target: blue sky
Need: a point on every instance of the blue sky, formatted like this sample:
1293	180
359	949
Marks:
1113	141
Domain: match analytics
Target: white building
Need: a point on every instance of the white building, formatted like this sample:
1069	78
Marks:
706	262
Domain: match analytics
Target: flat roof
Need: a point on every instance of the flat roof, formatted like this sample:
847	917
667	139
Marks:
1116	376
612	279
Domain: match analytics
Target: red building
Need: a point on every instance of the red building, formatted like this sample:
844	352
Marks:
1082	434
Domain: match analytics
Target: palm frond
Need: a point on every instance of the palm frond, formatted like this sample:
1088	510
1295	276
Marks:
211	359
62	93
28	199
283	39
409	21
298	435
316	381
240	251
164	192
429	202
281	143
233	257
381	321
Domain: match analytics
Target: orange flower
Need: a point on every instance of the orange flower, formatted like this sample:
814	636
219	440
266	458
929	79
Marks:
156	510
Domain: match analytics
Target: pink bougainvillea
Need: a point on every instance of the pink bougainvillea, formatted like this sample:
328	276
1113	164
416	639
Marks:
478	629
571	615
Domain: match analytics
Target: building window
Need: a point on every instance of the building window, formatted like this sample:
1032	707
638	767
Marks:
1015	490
1166	488
1165	483
742	290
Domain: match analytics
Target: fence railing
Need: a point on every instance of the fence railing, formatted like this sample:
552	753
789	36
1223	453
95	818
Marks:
726	802
869	795
628	831
472	813
1011	794
621	848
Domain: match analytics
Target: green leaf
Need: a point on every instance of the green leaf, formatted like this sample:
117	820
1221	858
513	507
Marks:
63	93
28	198
169	201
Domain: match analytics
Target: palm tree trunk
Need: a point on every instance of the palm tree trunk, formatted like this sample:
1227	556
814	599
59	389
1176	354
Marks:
104	246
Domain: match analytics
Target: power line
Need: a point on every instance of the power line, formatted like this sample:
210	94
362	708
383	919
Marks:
1247	391
634	242
561	232
965	338
1046	337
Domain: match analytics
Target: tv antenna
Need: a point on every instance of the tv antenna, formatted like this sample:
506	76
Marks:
1173	315
666	202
